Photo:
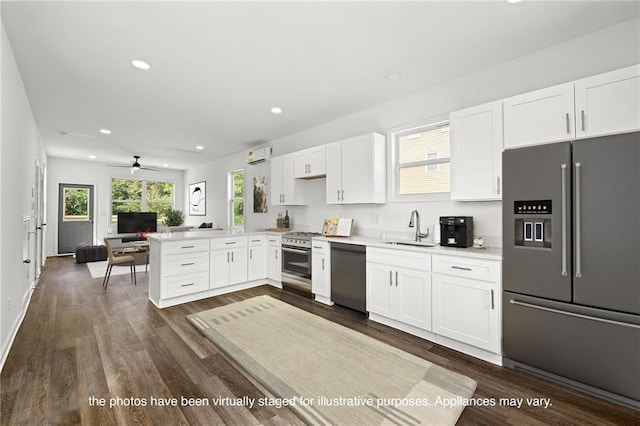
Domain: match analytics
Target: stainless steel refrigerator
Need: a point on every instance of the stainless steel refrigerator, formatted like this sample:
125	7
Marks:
571	267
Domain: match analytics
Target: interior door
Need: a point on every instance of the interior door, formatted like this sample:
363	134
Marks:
75	216
607	222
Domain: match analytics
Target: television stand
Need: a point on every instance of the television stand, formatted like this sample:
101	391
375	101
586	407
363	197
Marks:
132	238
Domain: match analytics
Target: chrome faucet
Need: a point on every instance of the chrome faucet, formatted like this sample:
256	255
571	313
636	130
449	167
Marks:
416	216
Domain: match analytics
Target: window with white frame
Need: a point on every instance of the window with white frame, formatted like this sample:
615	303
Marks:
236	198
134	195
421	160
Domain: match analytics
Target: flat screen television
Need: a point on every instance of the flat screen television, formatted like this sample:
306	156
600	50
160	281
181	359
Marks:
133	222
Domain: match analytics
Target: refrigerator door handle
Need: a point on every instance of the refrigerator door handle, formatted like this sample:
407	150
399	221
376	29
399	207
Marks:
573	314
568	125
577	219
563	231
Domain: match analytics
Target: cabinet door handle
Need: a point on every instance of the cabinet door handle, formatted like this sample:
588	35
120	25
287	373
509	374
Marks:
578	235
186	247
390	278
396	278
338	195
309	168
232	256
187	264
323	263
568	128
582	119
563	221
342	197
461	268
227	257
187	284
498	184
492	301
317	247
276	254
230	242
250	253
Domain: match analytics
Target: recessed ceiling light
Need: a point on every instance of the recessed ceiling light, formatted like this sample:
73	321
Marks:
140	64
513	1
105	131
165	165
93	157
276	110
393	76
200	147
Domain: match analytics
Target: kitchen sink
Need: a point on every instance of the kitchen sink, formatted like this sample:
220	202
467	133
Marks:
411	243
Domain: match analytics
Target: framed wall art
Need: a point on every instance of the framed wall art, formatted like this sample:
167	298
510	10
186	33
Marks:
197	199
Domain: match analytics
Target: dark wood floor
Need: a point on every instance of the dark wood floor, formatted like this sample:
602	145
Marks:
78	341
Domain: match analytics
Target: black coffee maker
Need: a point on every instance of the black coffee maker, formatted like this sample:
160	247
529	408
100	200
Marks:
456	231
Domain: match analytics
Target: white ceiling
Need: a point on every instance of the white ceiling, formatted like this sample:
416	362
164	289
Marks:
219	67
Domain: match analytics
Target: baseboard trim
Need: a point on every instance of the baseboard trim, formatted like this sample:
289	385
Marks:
6	347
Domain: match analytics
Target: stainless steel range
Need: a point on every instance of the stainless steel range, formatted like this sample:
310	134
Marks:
296	259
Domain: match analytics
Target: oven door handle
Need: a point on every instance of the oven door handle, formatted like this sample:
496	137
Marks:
290	250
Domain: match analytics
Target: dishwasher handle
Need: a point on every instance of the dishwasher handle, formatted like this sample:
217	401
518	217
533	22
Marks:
353	248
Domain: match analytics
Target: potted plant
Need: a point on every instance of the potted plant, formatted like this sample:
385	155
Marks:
174	218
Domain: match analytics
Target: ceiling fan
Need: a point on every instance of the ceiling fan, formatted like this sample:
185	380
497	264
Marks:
135	166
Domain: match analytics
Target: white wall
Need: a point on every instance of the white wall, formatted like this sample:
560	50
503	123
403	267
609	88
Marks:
20	148
99	175
611	48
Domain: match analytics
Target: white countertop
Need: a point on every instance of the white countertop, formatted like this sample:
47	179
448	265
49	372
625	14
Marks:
486	253
204	233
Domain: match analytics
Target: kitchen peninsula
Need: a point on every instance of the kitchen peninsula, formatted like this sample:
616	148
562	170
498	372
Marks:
193	265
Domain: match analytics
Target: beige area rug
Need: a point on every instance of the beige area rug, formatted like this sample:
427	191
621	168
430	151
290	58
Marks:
330	374
98	269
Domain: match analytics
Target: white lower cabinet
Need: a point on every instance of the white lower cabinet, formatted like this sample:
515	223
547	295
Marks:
467	301
467	311
396	291
256	263
228	261
321	271
177	270
274	258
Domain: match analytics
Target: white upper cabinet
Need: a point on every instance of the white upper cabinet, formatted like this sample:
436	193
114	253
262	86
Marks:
476	152
546	115
285	191
310	163
604	104
608	103
356	170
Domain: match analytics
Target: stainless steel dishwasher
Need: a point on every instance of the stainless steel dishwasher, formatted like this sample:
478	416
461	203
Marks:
349	275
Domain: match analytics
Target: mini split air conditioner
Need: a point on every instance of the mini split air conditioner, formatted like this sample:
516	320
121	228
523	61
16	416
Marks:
260	155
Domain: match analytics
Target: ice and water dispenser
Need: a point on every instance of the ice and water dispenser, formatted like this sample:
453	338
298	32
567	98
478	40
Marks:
533	223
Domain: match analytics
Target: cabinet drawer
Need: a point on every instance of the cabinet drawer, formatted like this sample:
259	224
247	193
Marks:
256	240
401	258
320	247
185	263
274	240
186	246
229	242
477	269
185	284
